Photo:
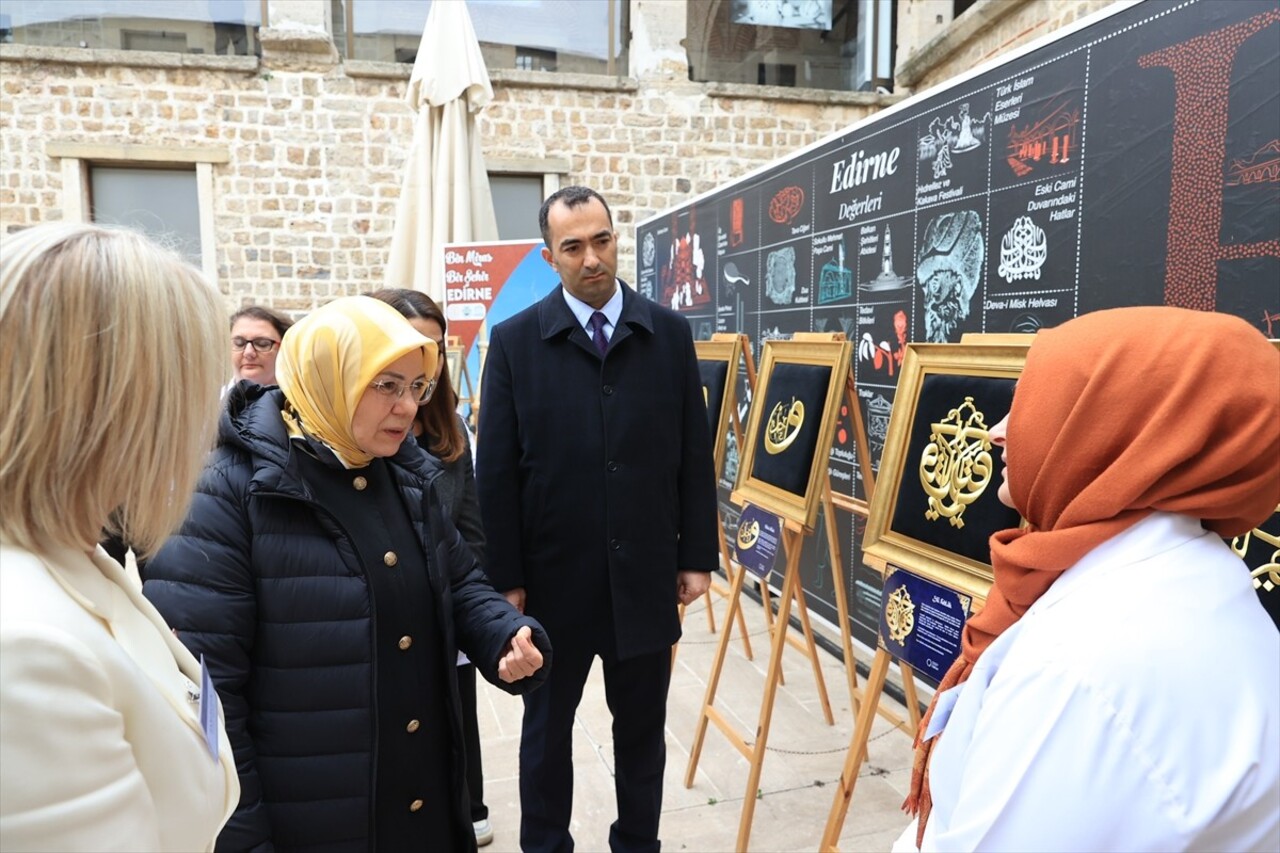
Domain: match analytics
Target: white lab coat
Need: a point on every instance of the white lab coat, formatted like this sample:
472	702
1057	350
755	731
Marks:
1136	706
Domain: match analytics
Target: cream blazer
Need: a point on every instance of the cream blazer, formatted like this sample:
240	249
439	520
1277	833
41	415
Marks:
100	740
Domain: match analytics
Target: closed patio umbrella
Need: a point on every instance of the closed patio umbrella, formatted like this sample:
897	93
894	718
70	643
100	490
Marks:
445	195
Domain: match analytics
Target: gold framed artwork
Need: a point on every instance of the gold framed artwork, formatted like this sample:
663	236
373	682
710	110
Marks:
936	504
1260	550
790	427
718	365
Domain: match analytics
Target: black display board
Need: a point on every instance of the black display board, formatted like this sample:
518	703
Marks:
1133	159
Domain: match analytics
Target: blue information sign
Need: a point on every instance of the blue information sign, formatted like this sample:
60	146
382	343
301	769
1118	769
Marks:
757	544
921	622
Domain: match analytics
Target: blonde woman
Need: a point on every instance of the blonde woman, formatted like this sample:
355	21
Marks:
107	741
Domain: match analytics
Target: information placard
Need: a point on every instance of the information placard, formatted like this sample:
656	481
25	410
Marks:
921	622
759	533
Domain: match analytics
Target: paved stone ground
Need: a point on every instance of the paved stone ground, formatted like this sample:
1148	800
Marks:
802	762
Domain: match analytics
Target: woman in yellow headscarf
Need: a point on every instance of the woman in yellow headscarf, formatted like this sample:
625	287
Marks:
329	595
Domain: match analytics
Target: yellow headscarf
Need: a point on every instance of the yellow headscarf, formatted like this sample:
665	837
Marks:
327	360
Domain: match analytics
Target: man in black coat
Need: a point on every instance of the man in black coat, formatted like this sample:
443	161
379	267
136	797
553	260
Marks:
598	494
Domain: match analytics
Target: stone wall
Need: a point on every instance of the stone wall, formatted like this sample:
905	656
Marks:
933	47
303	204
303	209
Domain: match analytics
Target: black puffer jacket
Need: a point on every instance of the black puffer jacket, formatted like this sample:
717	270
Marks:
266	585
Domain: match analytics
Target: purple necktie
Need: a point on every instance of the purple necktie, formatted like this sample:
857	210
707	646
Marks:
597	331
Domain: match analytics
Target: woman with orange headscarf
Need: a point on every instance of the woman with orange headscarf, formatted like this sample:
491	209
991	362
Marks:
1121	688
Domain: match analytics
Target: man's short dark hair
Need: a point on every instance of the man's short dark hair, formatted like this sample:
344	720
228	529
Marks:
571	197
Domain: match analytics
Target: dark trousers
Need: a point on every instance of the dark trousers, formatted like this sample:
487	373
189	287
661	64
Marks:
636	692
471	741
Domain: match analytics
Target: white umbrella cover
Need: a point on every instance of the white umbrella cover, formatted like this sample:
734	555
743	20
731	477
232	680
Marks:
445	196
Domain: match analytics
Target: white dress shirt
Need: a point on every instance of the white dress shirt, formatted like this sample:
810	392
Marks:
612	311
1136	706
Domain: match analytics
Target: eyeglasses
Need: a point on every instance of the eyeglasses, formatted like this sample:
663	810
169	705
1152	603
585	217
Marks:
259	344
393	389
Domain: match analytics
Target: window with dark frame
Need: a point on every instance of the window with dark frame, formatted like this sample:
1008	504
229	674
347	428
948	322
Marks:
533	59
516	200
818	44
160	201
564	36
213	27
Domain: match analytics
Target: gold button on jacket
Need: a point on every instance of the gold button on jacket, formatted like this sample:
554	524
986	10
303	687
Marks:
360	483
390	558
405	642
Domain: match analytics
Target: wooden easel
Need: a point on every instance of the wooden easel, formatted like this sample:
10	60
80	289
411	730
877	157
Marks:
857	752
858	695
863	446
793	534
743	347
793	537
875	557
462	384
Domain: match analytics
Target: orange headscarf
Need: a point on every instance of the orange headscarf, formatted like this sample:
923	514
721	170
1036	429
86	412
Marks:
1119	414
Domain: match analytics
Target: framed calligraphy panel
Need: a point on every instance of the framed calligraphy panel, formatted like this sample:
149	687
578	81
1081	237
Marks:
718	366
935	504
1260	550
790	427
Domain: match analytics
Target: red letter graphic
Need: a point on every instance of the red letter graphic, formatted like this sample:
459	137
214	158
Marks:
1201	79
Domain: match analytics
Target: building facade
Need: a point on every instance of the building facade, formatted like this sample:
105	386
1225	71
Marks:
292	150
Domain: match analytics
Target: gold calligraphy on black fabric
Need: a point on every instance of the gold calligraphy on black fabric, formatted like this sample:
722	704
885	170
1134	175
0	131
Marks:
1267	576
783	426
956	464
899	614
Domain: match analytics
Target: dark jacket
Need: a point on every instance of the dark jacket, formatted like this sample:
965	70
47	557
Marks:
456	488
595	474
265	583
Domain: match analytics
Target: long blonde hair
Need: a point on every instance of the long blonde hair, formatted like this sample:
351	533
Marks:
112	354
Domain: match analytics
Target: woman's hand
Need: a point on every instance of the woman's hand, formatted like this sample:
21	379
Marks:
521	659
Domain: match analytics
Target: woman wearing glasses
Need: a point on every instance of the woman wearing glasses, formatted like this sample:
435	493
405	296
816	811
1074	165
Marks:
442	433
255	339
317	575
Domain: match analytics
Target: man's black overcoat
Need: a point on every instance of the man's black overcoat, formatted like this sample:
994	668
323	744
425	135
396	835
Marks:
595	474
